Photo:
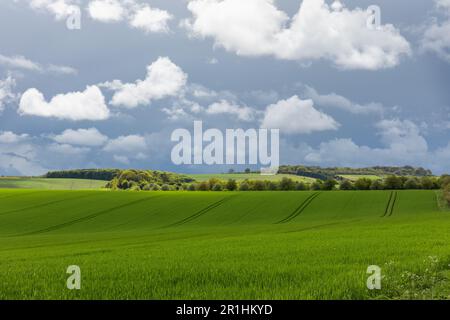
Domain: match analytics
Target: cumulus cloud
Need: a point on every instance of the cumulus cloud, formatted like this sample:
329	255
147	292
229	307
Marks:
86	105
106	10
296	116
164	79
10	137
139	16
60	9
403	144
128	144
436	37
243	113
151	20
317	31
6	91
67	149
334	100
82	137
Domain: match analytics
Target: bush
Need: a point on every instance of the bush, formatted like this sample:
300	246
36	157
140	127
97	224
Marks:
217	187
363	184
301	186
329	184
377	185
203	186
346	185
272	186
259	185
287	184
191	187
244	186
412	183
231	185
316	185
165	187
393	183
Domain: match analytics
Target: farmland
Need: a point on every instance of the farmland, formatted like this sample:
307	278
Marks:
49	184
249	176
222	245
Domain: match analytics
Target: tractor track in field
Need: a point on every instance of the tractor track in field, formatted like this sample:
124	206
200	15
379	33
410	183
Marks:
300	208
45	204
390	205
85	218
200	213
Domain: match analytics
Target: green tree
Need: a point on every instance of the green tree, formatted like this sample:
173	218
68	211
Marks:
272	186
377	185
329	184
316	185
301	186
363	184
258	185
231	185
412	183
244	186
393	183
203	186
287	184
346	185
217	187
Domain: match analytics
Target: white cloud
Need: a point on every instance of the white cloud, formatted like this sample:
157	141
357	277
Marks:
121	159
82	137
402	141
17	156
436	37
6	91
129	144
243	113
106	10
151	20
60	9
334	100
139	16
296	116
20	62
258	27
86	105
10	137
67	149
164	79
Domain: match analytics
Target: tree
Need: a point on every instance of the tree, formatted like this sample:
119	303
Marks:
191	187
231	185
203	186
287	184
363	184
377	185
248	170
301	186
329	184
412	183
393	183
165	187
217	187
244	186
316	185
272	186
346	185
259	185
428	184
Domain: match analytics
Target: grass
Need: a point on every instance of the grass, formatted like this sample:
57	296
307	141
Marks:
361	176
225	245
249	176
49	184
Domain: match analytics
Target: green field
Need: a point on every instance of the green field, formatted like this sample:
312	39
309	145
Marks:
49	184
223	245
249	176
354	177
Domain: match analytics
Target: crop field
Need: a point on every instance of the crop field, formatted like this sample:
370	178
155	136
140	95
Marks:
354	177
223	245
50	184
249	176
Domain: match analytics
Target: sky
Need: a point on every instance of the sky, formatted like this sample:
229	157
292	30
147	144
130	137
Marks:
106	88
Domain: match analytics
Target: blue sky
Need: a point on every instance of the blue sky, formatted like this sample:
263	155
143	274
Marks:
111	93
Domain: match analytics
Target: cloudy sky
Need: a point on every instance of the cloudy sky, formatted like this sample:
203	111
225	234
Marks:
342	92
